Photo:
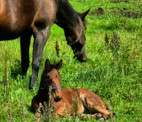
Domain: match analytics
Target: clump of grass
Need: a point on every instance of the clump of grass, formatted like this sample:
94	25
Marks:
118	1
46	111
38	114
114	44
8	91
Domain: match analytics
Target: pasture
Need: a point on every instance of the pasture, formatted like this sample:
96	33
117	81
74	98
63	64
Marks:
113	69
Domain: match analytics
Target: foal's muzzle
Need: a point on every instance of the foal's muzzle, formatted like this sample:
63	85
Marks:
57	94
57	98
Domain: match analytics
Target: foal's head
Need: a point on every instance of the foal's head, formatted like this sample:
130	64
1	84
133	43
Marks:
51	79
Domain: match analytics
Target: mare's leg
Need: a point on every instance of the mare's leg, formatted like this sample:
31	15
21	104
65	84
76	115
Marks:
39	43
25	43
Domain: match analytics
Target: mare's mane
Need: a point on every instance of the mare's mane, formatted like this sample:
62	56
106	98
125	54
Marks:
66	15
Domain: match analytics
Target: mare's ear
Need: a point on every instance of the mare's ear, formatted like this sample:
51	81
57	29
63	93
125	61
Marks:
47	64
59	65
83	15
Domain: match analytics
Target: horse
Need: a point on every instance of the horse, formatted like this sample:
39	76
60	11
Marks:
24	18
67	101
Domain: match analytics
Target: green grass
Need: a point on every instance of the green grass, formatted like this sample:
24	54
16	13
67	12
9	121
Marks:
115	75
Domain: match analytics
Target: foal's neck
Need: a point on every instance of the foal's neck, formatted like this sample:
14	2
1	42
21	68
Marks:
43	90
44	93
66	15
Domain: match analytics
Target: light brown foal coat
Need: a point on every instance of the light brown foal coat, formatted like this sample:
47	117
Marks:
68	100
78	100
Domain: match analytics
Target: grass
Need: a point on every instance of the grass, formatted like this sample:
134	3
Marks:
115	75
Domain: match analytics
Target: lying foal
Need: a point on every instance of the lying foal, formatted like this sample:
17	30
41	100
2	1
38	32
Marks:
68	100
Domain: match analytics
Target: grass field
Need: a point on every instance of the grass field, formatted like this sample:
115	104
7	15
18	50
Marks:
113	70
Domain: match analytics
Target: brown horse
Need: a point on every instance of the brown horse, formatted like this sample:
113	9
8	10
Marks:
24	18
68	100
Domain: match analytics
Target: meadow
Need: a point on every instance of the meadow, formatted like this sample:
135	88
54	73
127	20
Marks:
113	69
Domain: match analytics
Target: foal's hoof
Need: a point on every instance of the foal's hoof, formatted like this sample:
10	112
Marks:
101	119
83	117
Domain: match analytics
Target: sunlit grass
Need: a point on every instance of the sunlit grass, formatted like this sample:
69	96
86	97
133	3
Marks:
115	75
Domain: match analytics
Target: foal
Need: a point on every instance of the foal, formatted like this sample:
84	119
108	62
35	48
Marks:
68	100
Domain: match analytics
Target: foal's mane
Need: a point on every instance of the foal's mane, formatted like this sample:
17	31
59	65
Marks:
66	13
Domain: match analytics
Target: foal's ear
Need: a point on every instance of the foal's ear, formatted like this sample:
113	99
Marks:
47	64
59	65
83	15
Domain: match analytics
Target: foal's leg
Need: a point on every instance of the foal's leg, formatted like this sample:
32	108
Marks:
39	43
95	104
60	111
25	43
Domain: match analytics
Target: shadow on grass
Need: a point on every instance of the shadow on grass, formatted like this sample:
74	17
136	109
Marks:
29	108
16	69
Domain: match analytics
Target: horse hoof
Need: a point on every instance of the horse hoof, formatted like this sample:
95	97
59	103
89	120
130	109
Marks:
101	119
31	88
82	59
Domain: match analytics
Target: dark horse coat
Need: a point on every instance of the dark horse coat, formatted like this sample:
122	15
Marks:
24	18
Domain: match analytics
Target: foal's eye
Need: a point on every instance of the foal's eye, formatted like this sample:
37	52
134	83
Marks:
50	80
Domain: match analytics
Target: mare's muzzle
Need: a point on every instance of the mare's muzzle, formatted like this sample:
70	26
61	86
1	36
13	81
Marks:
80	53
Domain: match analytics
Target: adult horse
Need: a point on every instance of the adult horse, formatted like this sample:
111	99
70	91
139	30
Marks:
24	18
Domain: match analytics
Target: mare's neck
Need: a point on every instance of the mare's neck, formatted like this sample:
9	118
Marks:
66	16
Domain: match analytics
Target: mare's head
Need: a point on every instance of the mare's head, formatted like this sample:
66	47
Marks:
51	79
73	24
76	38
